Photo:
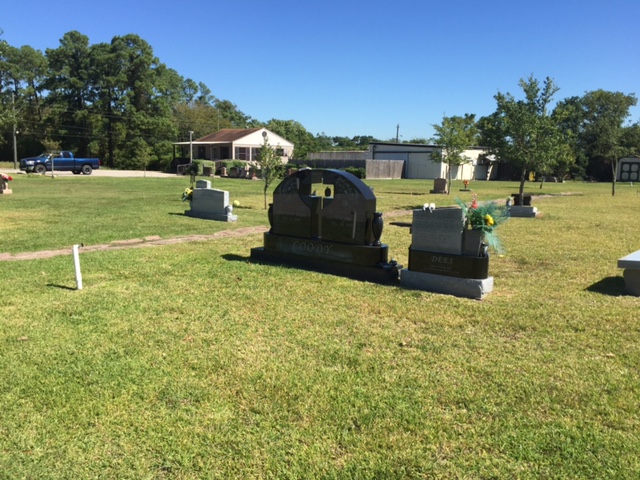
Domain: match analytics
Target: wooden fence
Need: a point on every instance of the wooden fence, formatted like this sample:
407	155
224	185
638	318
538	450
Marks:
383	169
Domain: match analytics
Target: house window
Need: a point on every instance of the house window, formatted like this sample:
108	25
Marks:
255	154
242	153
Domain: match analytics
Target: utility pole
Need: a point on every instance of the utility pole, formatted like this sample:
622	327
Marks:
397	133
15	131
190	147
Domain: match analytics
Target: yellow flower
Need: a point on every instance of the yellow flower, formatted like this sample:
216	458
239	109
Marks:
488	219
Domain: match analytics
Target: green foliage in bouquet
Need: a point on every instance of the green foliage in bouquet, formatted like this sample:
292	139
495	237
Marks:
486	217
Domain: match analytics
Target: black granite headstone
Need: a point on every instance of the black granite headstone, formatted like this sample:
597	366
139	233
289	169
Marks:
327	219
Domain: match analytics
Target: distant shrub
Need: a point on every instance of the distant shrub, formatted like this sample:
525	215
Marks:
359	172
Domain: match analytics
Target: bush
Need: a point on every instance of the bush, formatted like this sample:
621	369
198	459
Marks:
359	172
234	163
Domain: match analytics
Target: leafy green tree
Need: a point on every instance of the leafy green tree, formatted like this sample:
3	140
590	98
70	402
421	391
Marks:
631	138
270	166
295	133
136	94
343	143
569	116
522	132
603	133
321	142
230	116
454	135
22	74
70	91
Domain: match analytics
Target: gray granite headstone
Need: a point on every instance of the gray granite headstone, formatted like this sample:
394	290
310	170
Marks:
210	203
439	185
438	230
203	184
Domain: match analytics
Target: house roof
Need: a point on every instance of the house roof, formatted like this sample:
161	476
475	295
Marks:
228	135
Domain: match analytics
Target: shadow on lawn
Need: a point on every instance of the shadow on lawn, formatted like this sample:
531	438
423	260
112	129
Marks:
235	258
63	287
613	286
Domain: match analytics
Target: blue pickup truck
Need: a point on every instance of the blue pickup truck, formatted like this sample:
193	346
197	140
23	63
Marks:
63	161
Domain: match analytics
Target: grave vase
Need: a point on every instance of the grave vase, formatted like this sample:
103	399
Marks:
472	243
377	226
270	216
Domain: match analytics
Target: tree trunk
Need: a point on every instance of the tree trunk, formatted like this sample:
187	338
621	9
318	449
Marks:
523	178
448	179
614	170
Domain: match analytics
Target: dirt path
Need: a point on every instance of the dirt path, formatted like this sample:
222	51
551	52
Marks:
152	241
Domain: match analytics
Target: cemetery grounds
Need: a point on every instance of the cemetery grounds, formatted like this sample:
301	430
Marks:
190	361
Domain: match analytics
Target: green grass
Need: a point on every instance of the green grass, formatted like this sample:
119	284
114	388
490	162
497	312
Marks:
190	361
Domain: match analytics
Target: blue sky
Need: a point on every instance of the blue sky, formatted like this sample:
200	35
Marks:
357	67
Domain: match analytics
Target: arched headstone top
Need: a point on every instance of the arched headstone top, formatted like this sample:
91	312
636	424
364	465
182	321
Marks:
345	183
328	204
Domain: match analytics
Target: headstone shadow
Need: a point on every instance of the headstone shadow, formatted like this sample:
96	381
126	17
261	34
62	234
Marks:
613	286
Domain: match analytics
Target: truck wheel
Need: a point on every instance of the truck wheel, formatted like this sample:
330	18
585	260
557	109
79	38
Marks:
86	169
40	169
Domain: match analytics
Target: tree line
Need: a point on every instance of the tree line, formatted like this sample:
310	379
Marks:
580	137
119	102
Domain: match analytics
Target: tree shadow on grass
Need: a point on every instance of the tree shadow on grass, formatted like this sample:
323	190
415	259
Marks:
402	224
63	287
235	258
613	286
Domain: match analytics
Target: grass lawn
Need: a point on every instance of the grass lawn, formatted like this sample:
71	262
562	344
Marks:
189	361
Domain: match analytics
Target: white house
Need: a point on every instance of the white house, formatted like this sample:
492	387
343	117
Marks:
235	144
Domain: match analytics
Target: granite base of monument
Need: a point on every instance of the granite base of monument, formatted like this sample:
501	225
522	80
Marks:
523	211
475	289
381	272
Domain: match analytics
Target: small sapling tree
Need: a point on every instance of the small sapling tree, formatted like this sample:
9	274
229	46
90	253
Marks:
454	135
270	166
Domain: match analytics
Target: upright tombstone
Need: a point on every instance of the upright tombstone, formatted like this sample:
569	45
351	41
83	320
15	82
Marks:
522	206
444	257
4	185
326	220
209	203
439	185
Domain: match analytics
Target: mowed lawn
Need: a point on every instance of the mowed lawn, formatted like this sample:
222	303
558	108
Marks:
191	361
